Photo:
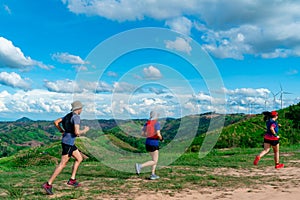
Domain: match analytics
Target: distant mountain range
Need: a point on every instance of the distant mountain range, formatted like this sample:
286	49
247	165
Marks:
25	133
24	119
239	130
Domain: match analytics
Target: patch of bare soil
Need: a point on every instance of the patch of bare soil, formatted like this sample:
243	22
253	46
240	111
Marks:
276	185
259	183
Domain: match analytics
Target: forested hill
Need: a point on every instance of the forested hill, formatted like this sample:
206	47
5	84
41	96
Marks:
240	130
26	133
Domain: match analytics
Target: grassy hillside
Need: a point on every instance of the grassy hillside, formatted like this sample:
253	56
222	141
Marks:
25	133
220	170
249	131
29	168
15	136
239	130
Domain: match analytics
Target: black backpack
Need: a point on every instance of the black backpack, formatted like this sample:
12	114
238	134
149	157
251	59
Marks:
67	124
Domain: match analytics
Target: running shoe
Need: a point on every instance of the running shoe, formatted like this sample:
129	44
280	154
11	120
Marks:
74	183
137	168
48	188
154	177
278	166
257	158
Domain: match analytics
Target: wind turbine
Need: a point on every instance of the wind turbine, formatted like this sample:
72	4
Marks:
266	100
250	106
281	94
274	99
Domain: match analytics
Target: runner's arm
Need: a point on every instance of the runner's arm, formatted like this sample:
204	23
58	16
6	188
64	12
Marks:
159	135
57	125
272	130
143	133
80	132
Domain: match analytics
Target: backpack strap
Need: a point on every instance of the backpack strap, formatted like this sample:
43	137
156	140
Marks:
67	124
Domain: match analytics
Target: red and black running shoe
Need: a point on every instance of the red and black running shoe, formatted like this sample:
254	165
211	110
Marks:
48	188
74	183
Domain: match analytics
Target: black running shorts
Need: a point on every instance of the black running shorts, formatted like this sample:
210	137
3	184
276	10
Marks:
151	148
271	142
68	149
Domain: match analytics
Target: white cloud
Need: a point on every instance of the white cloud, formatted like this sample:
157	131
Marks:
232	43
80	68
278	53
3	96
121	108
68	58
152	73
292	72
7	9
180	44
3	108
249	100
261	92
71	86
203	97
269	29
123	87
157	90
194	108
44	104
14	80
180	24
34	101
148	101
231	29
112	74
131	9
13	57
63	86
101	87
137	77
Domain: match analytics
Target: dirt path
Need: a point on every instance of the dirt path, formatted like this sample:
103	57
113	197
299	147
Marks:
280	184
259	183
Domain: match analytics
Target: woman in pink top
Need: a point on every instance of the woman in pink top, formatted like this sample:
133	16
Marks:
271	138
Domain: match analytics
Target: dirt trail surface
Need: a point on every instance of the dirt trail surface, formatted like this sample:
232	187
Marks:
281	184
257	182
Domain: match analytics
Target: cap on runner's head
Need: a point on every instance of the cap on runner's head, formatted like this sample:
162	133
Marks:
274	113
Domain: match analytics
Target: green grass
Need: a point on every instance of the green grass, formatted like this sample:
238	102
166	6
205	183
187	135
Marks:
100	181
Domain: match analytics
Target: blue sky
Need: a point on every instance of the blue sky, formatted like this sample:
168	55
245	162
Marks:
51	53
